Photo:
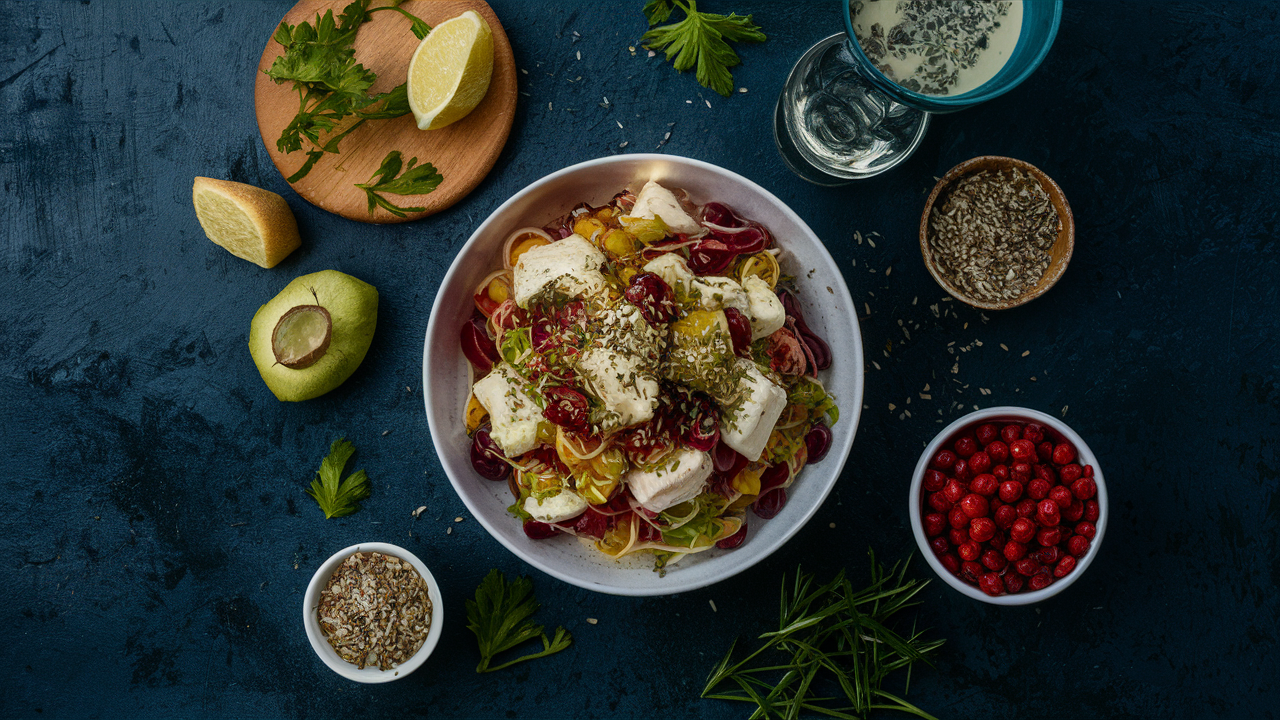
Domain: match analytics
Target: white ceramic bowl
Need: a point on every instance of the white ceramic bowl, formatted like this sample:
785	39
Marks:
310	620
828	310
1007	414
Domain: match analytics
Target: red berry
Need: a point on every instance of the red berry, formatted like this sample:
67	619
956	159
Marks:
1013	583
998	452
1033	432
943	460
957	518
1049	555
1061	496
1084	488
980	462
1001	472
939	545
1014	551
1070	473
1044	451
1020	472
1063	453
961	471
1086	529
1010	491
997	541
994	560
1005	516
934	524
1065	566
1078	545
1088	471
1048	514
1027	566
991	584
1009	433
934	480
938	502
958	536
974	505
1091	511
1038	489
982	529
985	485
966	447
970	572
1073	512
1023	530
1049	536
969	551
1026	508
951	562
1022	450
1040	581
987	434
953	491
1045	472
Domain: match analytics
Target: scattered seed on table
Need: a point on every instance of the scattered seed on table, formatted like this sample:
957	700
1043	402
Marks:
713	605
1004	347
592	621
1026	353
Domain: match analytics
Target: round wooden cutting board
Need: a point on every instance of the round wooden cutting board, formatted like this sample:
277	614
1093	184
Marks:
463	152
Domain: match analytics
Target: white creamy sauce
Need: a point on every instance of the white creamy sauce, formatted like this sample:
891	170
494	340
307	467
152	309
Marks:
903	37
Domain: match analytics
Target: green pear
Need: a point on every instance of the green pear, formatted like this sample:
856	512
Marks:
309	339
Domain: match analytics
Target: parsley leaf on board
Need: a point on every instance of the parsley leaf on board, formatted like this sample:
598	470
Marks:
319	59
416	180
338	497
499	617
701	39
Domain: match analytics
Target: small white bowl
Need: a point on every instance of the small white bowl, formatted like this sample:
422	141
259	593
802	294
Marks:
310	619
1085	456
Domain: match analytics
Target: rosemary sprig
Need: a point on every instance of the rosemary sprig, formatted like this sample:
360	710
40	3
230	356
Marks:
416	180
832	637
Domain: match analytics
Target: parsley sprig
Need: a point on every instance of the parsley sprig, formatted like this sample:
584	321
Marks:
499	617
319	59
700	39
416	180
831	641
337	496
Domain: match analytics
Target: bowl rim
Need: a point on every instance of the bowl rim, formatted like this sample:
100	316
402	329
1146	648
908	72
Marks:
369	675
673	583
1054	272
1009	412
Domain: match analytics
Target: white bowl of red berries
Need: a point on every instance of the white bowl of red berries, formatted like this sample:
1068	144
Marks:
1008	505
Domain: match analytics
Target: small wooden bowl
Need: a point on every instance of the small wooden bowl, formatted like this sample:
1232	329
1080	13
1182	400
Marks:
1059	254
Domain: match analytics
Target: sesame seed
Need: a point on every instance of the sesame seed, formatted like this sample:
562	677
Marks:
592	621
713	605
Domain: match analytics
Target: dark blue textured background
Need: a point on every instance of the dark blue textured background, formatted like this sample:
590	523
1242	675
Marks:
156	536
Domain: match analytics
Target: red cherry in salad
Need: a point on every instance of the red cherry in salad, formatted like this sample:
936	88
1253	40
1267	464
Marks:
654	297
487	457
739	331
539	530
566	407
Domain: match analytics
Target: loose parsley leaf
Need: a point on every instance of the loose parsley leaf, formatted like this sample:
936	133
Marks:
701	39
416	180
319	59
499	618
339	497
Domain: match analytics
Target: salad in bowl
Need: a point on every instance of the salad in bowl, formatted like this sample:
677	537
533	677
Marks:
643	377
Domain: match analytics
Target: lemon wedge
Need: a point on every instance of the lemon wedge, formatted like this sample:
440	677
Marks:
450	71
251	223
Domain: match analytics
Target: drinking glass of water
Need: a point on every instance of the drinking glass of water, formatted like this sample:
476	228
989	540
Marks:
858	102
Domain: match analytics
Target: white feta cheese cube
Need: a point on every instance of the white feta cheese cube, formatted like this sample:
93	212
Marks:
746	425
512	411
564	505
570	266
622	383
767	314
682	476
708	293
657	201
